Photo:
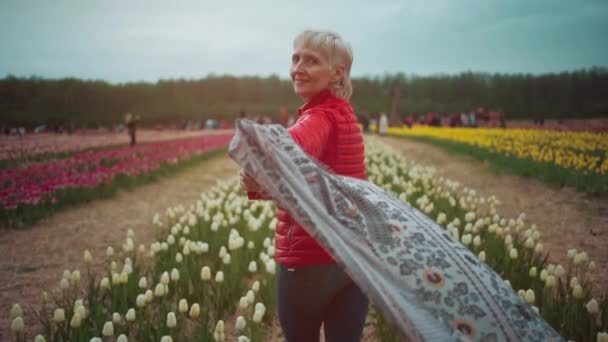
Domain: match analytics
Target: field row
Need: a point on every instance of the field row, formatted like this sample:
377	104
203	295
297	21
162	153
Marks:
211	273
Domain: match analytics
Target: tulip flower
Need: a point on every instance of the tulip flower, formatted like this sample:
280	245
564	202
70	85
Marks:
159	291
108	329
592	306
219	277
16	311
530	297
205	273
17	324
116	318
171	320
88	258
240	323
39	338
255	286
59	315
183	305
253	267
164	278
130	315
174	275
76	320
122	338
195	310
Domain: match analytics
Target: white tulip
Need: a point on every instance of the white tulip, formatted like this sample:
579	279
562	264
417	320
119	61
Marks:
122	338
219	277
39	338
205	273
88	258
64	284
59	315
143	283
75	321
559	271
149	295
116	318
174	275
226	259
572	253
108	329
466	239
477	241
592	306
17	324
530	297
243	303
513	253
602	337
195	310
183	305
533	272
130	315
482	256
166	338
164	278
271	266
16	311
171	320
140	302
241	323
110	251
256	286
577	291
253	267
159	291
539	248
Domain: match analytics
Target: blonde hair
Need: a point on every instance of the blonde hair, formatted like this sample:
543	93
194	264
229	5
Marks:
338	52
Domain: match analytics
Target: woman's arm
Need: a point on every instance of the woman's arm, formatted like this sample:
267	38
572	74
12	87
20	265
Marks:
312	133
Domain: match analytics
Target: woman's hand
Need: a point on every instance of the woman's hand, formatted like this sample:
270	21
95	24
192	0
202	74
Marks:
248	183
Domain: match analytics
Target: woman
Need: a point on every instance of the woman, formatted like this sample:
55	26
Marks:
312	289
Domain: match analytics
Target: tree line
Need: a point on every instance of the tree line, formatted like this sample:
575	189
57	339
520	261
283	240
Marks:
34	100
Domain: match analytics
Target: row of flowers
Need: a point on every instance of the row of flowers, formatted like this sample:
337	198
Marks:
34	145
583	152
210	274
37	183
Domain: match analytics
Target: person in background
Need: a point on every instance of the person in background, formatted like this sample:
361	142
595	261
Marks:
312	288
131	122
383	124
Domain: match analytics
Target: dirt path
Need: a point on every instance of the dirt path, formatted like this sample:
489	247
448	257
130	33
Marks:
33	260
566	218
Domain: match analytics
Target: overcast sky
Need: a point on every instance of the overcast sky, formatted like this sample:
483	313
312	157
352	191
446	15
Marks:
122	41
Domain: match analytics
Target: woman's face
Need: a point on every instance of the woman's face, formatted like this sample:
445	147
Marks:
311	72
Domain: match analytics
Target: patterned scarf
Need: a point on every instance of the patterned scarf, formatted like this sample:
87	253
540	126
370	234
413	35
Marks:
428	284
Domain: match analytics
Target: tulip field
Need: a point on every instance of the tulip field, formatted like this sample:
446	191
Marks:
31	191
210	274
578	159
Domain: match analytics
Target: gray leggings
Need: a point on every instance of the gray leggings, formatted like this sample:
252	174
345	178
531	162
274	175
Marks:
311	295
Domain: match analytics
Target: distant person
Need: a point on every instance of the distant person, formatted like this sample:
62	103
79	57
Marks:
472	119
131	122
383	124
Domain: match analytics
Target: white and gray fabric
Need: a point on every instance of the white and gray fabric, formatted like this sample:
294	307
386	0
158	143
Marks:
428	284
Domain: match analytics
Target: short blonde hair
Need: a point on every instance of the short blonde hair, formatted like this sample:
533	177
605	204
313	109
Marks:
337	50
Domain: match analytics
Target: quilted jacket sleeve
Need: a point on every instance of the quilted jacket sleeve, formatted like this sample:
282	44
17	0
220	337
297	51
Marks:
312	132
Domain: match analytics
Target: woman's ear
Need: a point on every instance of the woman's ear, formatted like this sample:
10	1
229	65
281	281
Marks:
338	73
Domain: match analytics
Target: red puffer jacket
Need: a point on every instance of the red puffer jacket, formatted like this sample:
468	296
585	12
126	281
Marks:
326	129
